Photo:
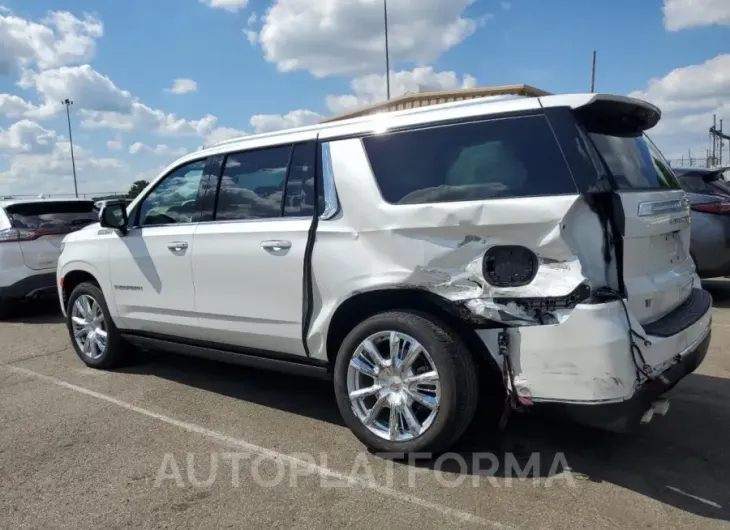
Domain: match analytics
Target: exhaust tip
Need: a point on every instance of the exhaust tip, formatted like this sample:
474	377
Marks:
660	406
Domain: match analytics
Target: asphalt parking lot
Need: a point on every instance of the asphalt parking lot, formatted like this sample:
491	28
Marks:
173	442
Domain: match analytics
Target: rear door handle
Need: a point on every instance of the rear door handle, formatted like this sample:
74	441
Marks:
275	245
177	246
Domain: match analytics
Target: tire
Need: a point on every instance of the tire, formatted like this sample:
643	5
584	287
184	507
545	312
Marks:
458	380
6	309
116	352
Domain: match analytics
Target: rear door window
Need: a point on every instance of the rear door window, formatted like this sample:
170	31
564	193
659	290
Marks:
53	217
500	158
299	197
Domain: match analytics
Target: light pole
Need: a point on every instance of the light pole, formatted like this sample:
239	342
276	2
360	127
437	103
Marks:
67	103
387	54
593	73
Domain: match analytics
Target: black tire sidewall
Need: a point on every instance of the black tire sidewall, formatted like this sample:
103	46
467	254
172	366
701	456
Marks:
419	328
6	309
110	355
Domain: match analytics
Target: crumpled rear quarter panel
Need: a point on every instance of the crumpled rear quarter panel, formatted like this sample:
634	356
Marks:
439	247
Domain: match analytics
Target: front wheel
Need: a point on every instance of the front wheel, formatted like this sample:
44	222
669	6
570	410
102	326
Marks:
93	333
405	383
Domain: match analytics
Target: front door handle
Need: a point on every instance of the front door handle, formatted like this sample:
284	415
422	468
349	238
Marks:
177	246
276	245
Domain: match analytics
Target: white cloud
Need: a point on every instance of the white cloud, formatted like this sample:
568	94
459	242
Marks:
45	167
142	117
102	104
183	86
371	88
332	37
227	5
251	36
262	123
27	137
684	14
14	106
688	97
59	39
115	145
221	134
87	88
159	149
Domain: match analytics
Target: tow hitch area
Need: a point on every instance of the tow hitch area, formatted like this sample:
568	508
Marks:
659	406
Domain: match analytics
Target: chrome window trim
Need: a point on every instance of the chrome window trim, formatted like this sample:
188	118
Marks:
228	221
331	203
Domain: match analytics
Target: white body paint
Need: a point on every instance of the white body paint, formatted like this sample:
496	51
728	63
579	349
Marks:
226	289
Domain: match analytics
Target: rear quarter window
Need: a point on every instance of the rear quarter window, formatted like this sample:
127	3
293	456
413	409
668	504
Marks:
498	158
635	162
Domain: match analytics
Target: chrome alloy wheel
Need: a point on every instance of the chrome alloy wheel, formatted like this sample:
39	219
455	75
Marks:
393	386
89	327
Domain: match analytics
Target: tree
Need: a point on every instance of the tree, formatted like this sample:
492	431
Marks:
137	188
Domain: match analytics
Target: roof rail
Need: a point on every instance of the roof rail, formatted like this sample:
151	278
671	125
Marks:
416	100
424	99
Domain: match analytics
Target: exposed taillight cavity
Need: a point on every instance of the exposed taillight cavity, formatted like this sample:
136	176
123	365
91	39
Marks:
712	207
509	266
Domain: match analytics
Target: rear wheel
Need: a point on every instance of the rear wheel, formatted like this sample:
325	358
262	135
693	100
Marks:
405	383
6	309
93	333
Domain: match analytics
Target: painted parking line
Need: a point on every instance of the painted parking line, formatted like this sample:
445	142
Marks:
393	493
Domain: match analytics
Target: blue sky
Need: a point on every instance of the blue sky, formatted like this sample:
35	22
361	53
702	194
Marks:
259	65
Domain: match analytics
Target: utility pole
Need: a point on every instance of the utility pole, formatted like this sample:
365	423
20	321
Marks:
593	73
718	138
714	140
67	103
387	51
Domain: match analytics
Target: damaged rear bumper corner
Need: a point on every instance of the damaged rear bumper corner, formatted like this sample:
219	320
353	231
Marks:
623	416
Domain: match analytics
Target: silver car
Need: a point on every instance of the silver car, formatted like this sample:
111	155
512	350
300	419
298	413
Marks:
709	196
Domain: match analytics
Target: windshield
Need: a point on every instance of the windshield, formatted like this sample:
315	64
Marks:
702	181
635	162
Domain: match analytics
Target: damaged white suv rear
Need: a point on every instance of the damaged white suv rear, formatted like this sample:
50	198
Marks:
533	250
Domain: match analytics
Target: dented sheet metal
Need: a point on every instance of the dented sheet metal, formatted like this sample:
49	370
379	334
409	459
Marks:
440	247
446	258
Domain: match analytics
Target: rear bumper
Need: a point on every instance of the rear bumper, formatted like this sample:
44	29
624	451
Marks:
624	415
584	362
30	285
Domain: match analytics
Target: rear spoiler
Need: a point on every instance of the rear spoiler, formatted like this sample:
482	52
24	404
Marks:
714	173
615	115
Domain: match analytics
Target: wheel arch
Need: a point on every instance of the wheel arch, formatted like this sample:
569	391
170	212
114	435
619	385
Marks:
363	305
73	278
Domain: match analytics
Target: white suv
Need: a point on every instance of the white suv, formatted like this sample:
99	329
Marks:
31	232
411	255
